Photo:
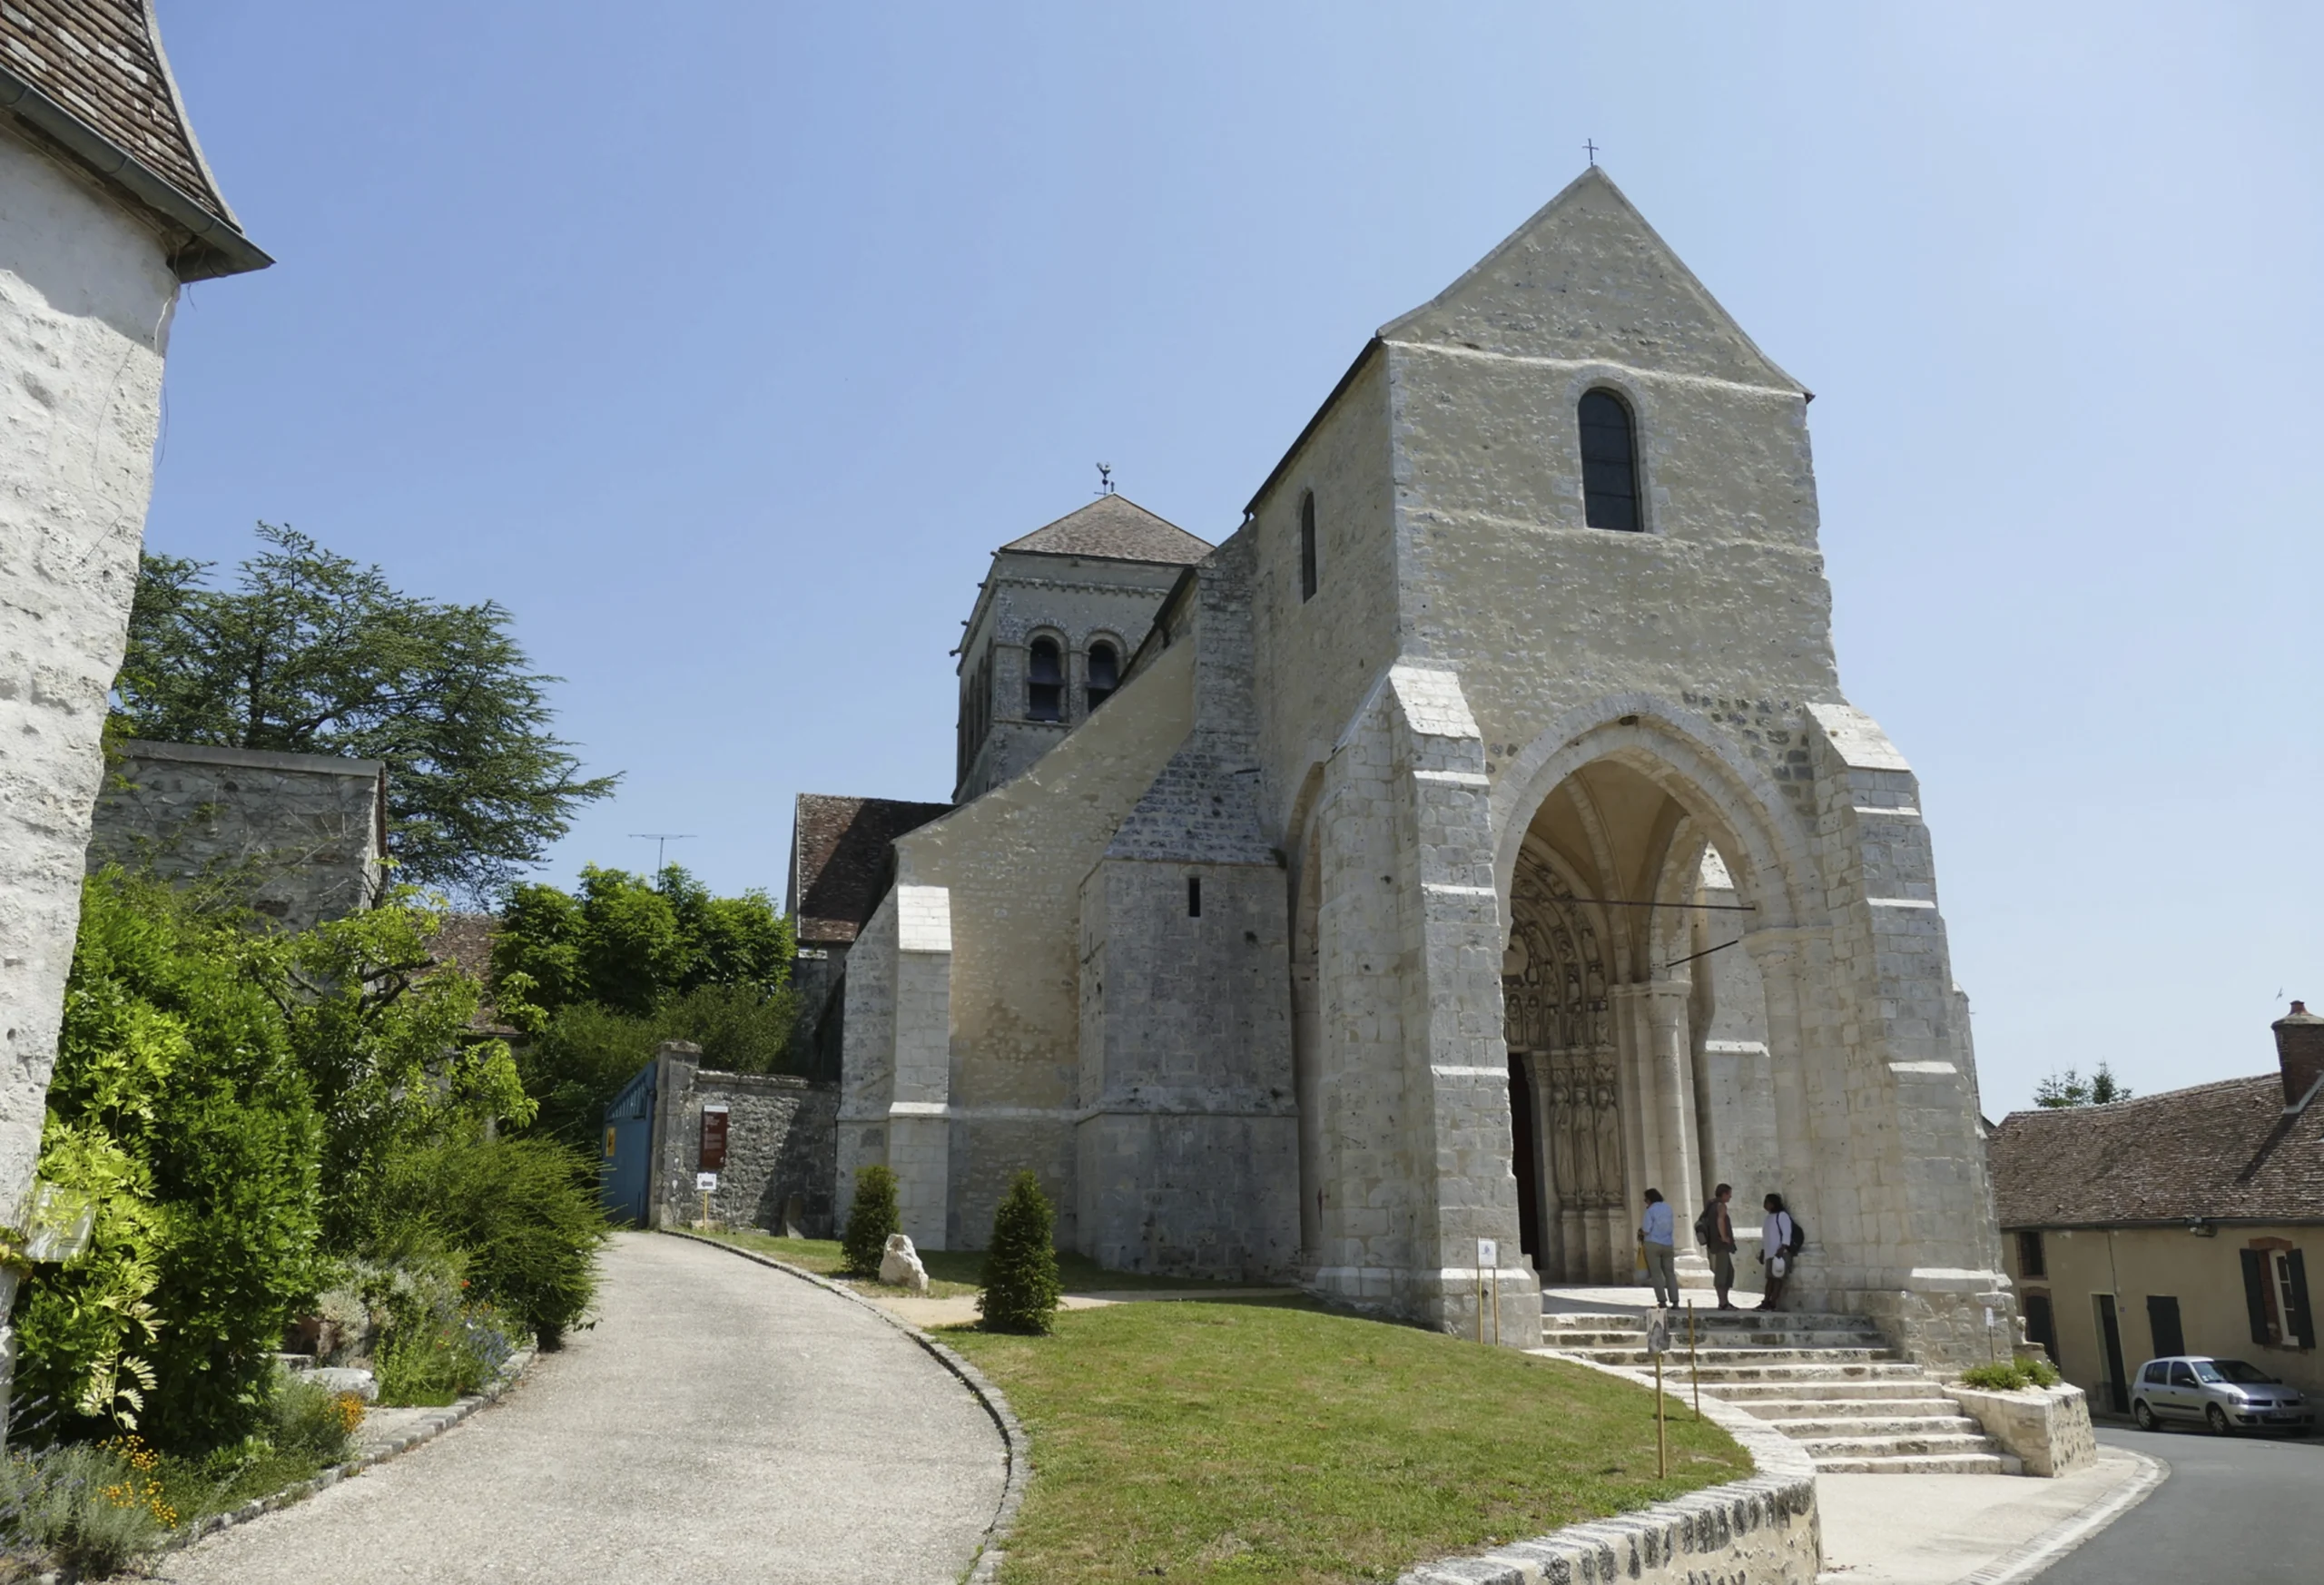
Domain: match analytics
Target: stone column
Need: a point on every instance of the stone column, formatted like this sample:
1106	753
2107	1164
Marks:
1776	953
1671	1063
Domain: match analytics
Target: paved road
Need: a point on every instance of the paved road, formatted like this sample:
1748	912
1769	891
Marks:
2235	1509
722	1421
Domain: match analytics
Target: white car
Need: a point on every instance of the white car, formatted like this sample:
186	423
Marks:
2225	1394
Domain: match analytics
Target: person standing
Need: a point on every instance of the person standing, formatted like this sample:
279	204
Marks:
1778	1234
1714	1231
1658	1237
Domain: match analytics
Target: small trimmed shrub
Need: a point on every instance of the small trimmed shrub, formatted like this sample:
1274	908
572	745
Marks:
2014	1377
1020	1281
871	1221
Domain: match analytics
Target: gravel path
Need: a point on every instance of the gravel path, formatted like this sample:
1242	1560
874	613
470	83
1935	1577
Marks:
722	1421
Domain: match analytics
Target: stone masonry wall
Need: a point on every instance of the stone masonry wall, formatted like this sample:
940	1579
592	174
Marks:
86	300
782	1139
298	833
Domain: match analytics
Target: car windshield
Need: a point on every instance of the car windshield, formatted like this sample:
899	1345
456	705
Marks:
2231	1370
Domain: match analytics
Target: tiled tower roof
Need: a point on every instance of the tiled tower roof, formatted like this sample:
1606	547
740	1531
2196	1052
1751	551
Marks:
87	79
1115	529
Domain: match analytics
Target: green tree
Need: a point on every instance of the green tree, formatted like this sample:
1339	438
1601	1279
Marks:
2069	1088
599	977
1021	1286
312	652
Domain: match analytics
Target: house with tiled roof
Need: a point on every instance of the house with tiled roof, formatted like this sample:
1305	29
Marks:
2177	1222
107	208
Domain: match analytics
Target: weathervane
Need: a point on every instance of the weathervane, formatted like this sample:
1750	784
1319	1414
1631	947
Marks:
1105	478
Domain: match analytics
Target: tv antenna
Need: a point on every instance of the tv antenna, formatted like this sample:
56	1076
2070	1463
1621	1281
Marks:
661	841
1105	478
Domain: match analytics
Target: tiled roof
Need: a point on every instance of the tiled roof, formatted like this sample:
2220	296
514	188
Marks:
839	860
1115	529
2218	1150
90	77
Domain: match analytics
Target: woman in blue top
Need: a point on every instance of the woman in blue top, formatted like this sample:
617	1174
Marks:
1657	1238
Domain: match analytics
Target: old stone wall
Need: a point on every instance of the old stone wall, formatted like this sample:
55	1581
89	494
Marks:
85	300
1077	601
1011	865
781	1136
301	835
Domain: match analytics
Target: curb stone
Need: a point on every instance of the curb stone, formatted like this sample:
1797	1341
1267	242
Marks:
1014	1444
425	1431
2036	1555
1626	1545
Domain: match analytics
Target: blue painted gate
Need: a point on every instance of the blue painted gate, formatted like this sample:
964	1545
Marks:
629	1148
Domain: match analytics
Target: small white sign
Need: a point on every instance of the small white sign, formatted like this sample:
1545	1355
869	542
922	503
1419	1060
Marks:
705	1181
1488	1254
1657	1330
1989	1317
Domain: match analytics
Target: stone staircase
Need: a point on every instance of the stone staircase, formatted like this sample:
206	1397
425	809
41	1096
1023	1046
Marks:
1830	1382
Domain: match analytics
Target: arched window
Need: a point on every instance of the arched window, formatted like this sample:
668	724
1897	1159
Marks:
1104	673
1045	697
1307	547
1609	463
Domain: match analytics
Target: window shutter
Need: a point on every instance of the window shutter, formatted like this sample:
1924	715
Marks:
2301	1322
2255	1294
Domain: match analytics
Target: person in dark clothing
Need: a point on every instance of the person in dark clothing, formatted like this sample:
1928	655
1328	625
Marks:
1715	1231
1775	1251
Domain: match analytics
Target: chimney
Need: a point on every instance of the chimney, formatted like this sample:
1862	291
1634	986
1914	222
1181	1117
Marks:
2300	1048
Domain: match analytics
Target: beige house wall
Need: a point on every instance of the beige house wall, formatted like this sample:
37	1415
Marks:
2204	1273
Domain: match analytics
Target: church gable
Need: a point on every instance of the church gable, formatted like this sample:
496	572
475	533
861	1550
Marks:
1586	279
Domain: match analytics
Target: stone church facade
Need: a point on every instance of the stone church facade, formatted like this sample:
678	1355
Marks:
1478	836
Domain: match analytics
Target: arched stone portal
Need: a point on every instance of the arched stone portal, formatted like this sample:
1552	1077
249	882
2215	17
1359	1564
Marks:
1608	994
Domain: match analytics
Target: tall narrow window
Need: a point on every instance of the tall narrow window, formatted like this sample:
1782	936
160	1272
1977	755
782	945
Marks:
1307	547
1193	896
2030	1263
1045	695
1609	463
1104	673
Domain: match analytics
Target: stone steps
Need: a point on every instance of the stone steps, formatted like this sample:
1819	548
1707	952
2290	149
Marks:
1979	1463
1830	1382
1819	1429
1707	1359
1760	1397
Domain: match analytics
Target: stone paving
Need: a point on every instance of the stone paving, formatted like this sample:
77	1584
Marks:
722	1421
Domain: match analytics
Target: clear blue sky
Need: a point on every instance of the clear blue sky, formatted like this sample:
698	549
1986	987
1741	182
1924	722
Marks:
723	342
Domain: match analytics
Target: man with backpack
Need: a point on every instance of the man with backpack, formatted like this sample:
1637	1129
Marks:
1714	1231
1781	1238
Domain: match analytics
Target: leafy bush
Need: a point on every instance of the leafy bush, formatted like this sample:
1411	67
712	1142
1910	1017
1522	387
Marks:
91	1508
180	1107
1021	1286
305	1417
524	1215
432	1357
2019	1373
871	1221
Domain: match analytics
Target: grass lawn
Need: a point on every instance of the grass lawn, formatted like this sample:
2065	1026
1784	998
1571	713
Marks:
956	1271
1270	1442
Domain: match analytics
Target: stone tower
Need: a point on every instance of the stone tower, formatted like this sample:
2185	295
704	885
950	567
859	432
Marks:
1055	623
